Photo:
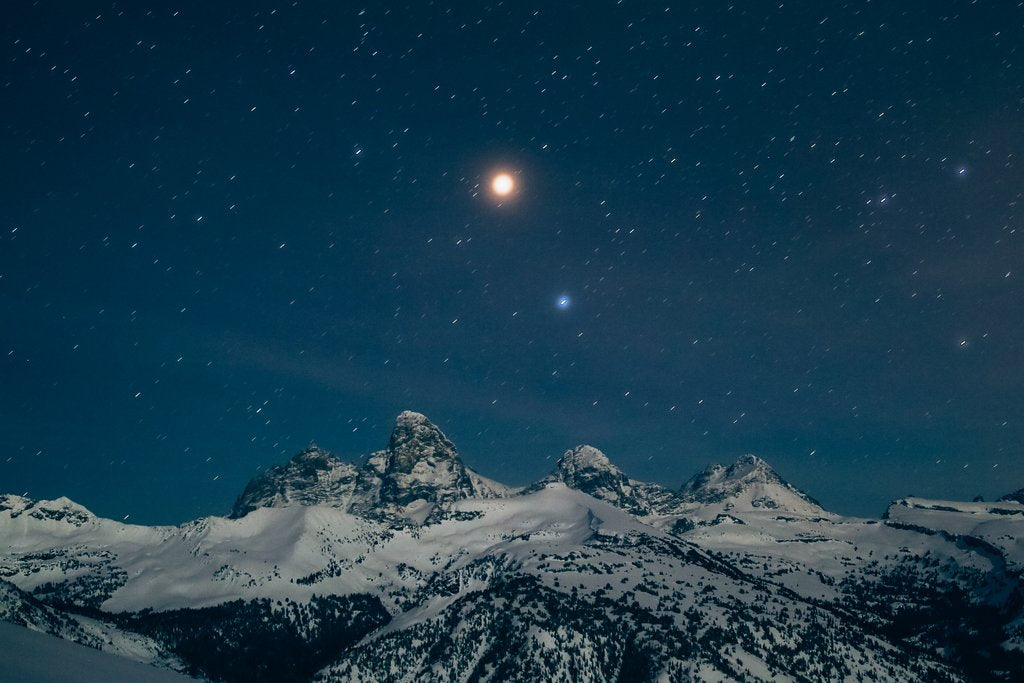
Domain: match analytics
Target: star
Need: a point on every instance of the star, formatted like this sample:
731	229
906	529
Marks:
564	301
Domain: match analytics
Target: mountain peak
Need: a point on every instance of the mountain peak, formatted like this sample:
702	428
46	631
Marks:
574	462
415	439
412	416
750	467
312	477
748	483
746	467
60	509
587	469
420	469
313	456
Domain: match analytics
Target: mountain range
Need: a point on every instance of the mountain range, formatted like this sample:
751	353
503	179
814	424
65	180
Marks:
411	566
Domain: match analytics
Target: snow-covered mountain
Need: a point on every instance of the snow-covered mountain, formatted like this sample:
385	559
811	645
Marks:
420	470
410	566
587	469
748	484
312	477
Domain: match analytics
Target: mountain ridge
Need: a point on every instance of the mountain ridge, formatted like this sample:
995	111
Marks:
410	565
421	468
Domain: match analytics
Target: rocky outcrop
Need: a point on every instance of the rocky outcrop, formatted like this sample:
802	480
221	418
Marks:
313	477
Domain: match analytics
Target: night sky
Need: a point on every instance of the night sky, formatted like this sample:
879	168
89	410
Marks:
788	229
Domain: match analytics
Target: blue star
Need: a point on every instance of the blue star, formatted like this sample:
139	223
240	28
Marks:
564	301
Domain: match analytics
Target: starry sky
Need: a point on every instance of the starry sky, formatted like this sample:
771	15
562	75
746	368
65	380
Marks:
792	229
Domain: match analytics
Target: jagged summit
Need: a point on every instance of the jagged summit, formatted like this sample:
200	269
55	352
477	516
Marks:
62	510
589	470
421	466
753	463
411	417
750	483
584	459
312	477
415	439
419	470
420	473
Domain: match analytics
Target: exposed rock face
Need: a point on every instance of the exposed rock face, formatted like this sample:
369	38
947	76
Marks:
420	470
422	464
59	510
749	483
587	469
313	477
1015	497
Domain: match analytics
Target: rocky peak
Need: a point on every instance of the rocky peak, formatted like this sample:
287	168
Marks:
416	439
15	505
718	481
751	468
312	477
584	463
61	509
312	462
419	470
749	483
587	469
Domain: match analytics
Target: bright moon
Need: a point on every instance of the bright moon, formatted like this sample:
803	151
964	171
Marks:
503	184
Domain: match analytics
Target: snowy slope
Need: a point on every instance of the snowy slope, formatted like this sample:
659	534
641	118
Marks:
20	609
749	484
410	566
274	552
30	656
996	523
